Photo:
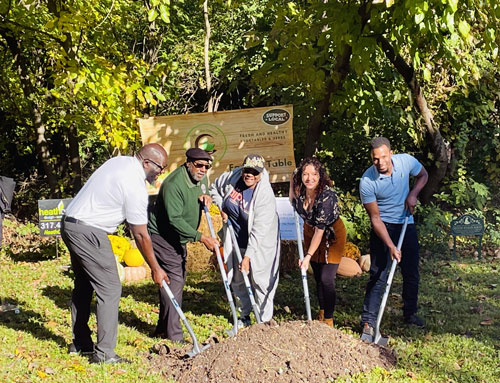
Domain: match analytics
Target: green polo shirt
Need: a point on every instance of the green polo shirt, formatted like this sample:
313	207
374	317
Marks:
177	211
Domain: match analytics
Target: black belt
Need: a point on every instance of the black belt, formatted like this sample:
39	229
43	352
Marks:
74	220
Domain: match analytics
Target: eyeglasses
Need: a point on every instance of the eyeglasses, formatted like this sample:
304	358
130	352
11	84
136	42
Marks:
251	171
162	168
199	166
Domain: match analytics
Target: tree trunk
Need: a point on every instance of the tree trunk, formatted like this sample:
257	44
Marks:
315	127
41	145
208	76
74	159
434	138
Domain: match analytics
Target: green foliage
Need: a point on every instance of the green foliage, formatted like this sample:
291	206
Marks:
433	227
356	220
465	192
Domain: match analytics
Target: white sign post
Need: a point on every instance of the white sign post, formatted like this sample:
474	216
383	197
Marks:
287	220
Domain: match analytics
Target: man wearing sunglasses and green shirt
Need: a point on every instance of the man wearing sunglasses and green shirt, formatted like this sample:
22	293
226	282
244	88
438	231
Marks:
173	222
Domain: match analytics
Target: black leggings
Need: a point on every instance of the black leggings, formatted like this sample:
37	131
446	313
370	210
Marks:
325	274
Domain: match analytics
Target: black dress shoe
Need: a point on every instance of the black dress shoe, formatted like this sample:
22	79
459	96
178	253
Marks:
106	360
158	334
77	350
414	320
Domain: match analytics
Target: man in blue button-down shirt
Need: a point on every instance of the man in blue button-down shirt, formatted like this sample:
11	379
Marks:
386	196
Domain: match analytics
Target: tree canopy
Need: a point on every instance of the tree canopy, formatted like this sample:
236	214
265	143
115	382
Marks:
76	75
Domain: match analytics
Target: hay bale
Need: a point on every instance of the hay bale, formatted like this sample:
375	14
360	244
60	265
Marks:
199	258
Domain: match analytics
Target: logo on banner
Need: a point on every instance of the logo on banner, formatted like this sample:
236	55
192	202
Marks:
209	138
276	117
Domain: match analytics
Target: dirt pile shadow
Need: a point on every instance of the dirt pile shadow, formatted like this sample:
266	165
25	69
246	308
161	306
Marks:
290	352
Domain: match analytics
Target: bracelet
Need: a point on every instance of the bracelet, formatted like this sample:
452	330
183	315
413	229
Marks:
308	254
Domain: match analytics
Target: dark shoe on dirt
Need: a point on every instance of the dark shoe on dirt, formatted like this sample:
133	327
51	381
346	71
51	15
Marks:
157	334
414	320
113	360
77	350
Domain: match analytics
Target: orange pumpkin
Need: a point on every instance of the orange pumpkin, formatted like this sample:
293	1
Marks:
348	267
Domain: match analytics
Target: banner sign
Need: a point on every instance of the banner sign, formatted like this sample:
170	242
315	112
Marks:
50	212
287	220
229	136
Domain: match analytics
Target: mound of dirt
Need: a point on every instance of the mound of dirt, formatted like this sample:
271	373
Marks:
290	352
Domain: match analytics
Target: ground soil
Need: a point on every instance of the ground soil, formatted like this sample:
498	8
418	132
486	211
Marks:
290	352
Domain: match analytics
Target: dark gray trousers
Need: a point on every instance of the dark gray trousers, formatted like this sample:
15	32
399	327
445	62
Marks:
172	259
94	266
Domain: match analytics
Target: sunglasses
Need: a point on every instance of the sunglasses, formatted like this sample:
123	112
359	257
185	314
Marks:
199	166
157	164
251	171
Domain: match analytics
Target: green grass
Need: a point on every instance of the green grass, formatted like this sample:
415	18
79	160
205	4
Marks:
459	300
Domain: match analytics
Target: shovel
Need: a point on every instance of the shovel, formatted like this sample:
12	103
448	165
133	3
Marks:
378	338
196	348
302	271
234	330
245	274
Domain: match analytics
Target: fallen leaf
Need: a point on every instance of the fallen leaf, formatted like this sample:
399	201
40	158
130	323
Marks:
51	324
486	322
49	370
287	309
41	374
411	374
119	372
78	367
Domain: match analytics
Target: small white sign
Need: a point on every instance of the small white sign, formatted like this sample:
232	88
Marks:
287	220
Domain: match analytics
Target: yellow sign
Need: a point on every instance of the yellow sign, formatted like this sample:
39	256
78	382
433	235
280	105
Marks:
230	136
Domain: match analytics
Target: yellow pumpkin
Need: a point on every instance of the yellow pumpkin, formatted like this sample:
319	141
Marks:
133	257
348	267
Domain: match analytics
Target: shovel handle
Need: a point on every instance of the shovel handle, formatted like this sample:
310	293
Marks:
196	347
222	271
244	272
302	271
389	281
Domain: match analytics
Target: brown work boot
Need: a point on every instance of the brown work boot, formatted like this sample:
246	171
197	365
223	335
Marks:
328	322
321	315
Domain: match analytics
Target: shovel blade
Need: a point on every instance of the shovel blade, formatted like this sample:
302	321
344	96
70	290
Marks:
381	341
193	352
232	332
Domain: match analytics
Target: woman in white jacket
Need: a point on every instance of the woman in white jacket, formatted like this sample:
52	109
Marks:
248	201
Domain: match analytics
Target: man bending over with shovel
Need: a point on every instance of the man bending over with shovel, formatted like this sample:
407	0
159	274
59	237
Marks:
384	190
